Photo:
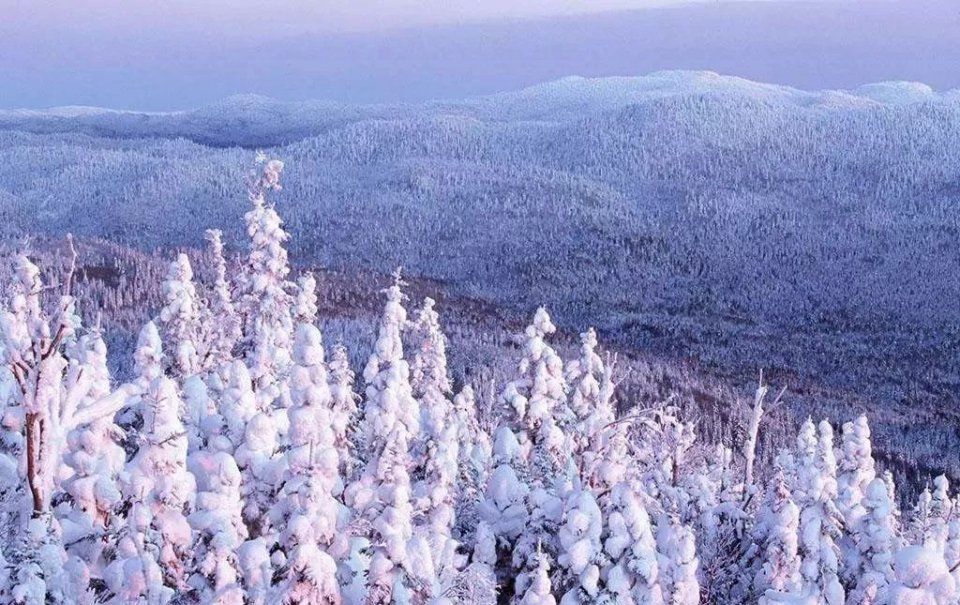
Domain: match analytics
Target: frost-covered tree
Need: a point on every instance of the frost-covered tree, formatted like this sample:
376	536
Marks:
181	316
388	400
581	550
875	540
160	482
677	549
219	531
474	453
305	305
307	510
260	472
477	584
52	396
920	527
238	404
344	411
777	530
265	302
855	469
504	505
225	325
820	523
633	576
591	399
539	590
921	576
941	511
393	576
88	515
538	399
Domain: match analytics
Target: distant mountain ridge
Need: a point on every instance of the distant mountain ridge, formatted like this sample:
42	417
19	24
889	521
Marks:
250	119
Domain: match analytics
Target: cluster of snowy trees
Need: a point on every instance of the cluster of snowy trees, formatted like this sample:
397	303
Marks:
245	464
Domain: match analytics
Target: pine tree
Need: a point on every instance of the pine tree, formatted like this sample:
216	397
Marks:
238	403
591	399
389	397
941	511
538	592
504	505
88	516
306	509
855	469
260	473
181	317
777	529
921	577
474	460
581	549
265	301
160	481
344	411
477	584
677	549
633	577
439	445
219	531
305	306
392	576
225	329
820	523
875	539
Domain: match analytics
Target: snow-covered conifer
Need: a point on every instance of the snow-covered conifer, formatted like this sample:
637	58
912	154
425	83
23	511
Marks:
306	509
225	329
260	472
181	317
477	584
219	531
855	469
159	479
941	511
922	577
504	506
820	523
633	576
266	303
539	590
389	397
677	549
591	393
392	576
876	542
474	453
305	306
88	516
237	402
581	549
344	410
777	529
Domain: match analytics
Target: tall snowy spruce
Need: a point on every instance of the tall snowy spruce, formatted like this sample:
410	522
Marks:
311	538
820	522
266	303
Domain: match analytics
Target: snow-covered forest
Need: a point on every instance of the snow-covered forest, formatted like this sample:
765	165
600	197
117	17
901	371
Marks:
248	459
686	215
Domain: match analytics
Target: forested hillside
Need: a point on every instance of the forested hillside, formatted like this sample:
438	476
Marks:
699	218
245	458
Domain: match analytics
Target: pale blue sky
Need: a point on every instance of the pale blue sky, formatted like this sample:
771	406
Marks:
170	54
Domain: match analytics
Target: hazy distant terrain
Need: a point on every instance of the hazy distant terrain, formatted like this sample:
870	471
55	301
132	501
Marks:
695	216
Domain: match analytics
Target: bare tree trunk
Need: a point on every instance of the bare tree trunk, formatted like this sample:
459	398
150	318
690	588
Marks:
34	433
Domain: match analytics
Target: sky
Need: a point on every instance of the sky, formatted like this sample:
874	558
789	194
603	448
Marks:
175	54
